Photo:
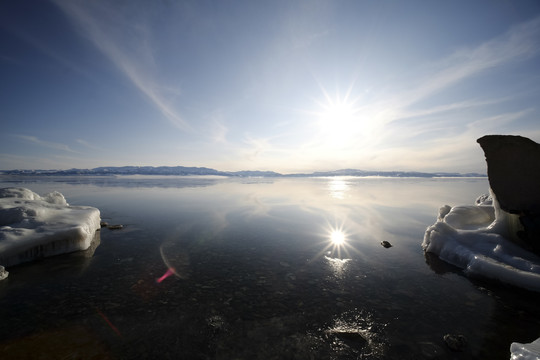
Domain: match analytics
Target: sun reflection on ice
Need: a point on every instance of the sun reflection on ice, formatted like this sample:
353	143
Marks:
337	265
337	237
337	242
336	250
338	188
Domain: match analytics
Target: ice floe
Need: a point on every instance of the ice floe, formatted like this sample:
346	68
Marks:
530	351
476	239
34	226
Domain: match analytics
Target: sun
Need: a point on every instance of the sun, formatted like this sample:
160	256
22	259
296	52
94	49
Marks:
339	120
337	113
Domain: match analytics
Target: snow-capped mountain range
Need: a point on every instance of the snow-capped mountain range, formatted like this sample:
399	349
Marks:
185	171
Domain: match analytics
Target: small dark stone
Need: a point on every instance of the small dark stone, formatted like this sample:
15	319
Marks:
386	244
103	224
353	339
115	227
455	342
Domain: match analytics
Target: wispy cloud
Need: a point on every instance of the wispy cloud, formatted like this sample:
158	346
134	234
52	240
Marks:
451	107
46	48
407	104
499	121
109	32
256	146
401	128
87	144
46	144
449	150
216	127
519	43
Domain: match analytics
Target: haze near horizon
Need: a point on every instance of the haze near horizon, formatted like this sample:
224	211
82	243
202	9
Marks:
280	86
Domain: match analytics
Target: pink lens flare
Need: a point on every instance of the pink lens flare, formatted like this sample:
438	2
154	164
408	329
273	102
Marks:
168	273
114	328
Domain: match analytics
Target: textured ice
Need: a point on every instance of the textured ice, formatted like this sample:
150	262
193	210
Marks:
34	226
475	238
530	351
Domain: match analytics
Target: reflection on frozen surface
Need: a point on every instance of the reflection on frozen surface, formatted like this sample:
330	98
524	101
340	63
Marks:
355	334
337	265
260	269
338	187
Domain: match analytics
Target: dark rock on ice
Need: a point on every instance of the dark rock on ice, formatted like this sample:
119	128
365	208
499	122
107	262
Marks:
513	164
386	244
455	342
350	336
352	339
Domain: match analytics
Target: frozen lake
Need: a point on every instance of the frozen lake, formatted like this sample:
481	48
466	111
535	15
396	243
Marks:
259	274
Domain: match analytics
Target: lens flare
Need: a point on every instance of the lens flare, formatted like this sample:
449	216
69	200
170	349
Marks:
111	325
169	272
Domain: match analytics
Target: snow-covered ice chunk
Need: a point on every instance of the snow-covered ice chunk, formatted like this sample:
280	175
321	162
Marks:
34	226
530	351
475	238
3	273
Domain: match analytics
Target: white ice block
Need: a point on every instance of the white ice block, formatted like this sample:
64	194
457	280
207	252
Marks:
34	226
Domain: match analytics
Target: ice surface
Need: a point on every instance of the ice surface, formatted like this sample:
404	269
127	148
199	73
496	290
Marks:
530	351
475	238
34	226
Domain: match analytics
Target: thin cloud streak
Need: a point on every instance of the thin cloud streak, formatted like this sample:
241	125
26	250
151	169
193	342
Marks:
92	26
493	123
46	49
518	44
47	144
87	144
452	107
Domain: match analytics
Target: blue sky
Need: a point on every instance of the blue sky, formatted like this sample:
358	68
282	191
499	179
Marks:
265	85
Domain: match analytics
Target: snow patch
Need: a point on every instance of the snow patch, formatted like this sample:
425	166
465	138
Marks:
34	226
475	238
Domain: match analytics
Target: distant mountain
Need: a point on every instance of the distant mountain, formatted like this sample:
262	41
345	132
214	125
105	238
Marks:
151	170
185	171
